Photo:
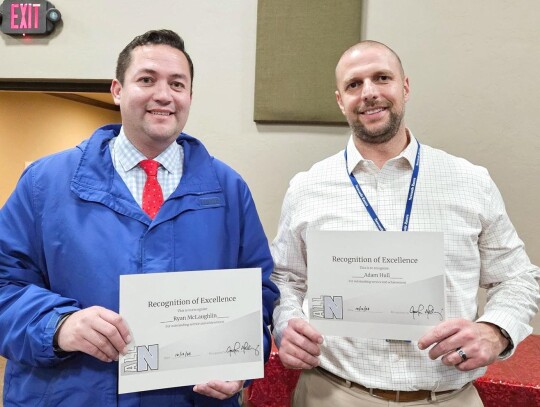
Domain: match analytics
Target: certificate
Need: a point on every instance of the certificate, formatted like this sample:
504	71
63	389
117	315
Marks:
386	285
191	327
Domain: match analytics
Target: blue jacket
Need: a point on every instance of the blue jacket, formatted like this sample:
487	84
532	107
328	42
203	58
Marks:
71	228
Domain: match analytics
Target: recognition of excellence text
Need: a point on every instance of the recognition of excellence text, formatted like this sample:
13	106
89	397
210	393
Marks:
380	259
194	301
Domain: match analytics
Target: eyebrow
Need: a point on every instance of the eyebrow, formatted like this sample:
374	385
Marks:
385	72
381	72
154	72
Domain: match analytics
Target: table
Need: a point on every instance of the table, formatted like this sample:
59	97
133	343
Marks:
514	382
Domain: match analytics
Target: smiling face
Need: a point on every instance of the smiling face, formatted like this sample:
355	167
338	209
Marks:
154	97
371	92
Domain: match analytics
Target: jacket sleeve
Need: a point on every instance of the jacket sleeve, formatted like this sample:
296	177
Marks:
29	311
254	252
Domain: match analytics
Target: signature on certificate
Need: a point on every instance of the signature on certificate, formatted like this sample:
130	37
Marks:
238	347
428	311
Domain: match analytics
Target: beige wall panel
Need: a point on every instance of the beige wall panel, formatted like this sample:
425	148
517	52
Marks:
33	125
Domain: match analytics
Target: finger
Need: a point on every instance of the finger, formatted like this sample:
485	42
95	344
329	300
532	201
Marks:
118	322
219	389
464	362
468	365
76	334
94	351
114	328
300	346
294	357
86	327
465	336
206	390
307	330
455	357
294	336
447	346
299	353
439	333
292	362
97	340
229	387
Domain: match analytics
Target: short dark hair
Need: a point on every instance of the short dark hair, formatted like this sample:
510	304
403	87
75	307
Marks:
153	37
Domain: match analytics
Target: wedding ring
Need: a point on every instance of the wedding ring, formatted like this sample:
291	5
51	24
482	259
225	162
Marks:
462	354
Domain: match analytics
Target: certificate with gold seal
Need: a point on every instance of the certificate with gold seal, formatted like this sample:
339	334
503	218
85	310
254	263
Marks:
191	327
385	285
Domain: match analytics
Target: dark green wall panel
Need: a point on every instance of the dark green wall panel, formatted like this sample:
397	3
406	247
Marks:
298	45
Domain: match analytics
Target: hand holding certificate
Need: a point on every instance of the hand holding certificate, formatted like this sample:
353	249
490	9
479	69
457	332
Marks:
387	285
191	327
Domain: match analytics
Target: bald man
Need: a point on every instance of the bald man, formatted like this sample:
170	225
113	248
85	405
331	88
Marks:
451	196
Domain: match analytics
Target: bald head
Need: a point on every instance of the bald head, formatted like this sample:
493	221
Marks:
363	45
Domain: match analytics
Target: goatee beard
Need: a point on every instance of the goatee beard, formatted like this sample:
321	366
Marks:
381	135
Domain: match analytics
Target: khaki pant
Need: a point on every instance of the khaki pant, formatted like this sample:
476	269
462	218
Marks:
316	390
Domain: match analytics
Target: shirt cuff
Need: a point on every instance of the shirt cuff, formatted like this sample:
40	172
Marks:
62	319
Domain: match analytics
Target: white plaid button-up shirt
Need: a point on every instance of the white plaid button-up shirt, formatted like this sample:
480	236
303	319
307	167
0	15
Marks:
481	249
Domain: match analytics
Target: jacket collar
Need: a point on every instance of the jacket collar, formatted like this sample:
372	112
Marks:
96	179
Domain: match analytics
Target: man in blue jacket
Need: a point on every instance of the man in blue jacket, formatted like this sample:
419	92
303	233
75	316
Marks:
79	219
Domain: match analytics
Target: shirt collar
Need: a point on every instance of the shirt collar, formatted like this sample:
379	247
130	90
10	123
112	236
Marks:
354	157
129	156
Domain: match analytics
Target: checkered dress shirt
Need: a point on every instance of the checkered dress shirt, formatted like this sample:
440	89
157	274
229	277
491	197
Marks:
126	159
480	244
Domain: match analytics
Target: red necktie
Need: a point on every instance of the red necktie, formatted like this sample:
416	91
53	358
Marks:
152	198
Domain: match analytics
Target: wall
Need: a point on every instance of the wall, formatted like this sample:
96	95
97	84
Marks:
475	86
472	66
33	125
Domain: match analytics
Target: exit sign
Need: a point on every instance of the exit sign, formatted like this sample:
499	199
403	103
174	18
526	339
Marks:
31	17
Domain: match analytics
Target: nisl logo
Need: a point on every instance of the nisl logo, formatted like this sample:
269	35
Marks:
141	359
327	307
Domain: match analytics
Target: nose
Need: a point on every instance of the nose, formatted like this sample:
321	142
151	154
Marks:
369	90
162	92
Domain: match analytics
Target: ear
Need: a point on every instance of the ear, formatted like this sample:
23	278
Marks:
406	88
339	101
116	90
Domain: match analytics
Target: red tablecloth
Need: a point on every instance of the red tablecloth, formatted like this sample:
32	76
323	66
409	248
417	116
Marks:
514	382
276	387
510	383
